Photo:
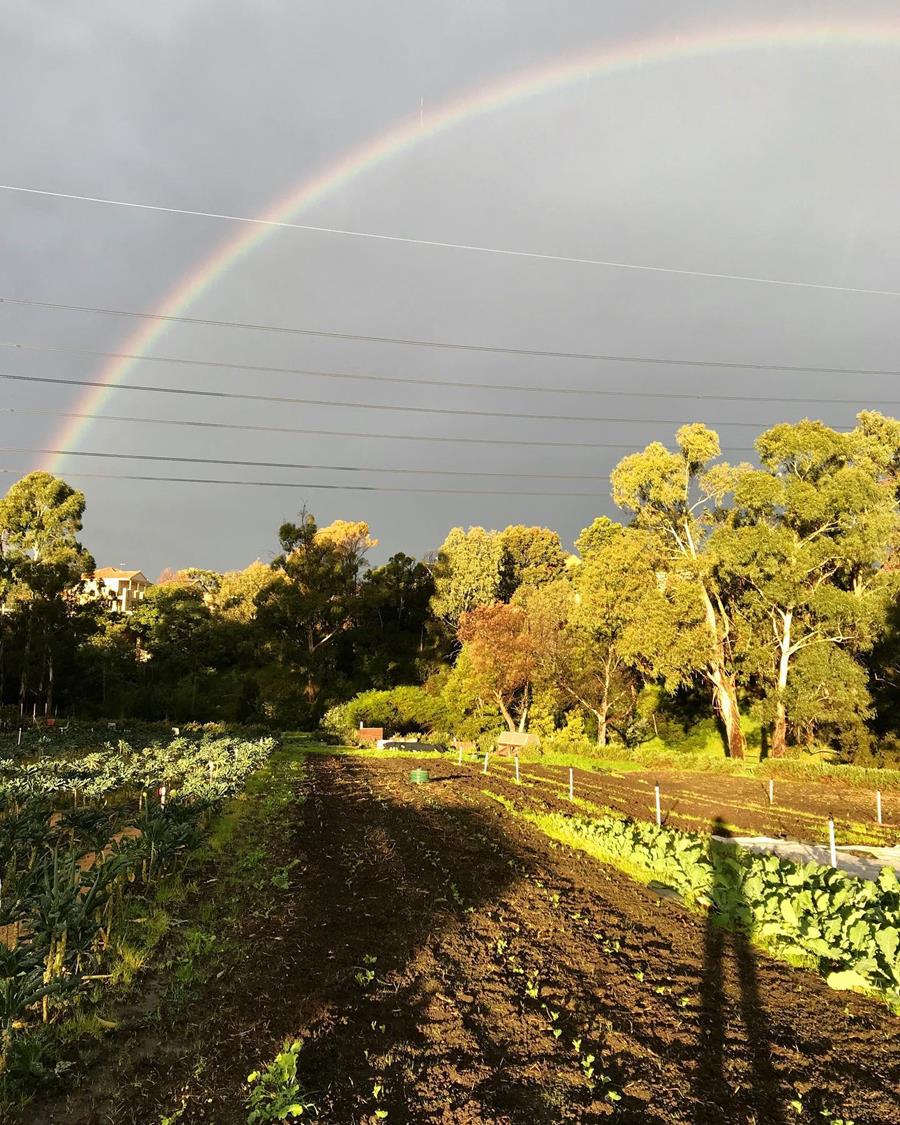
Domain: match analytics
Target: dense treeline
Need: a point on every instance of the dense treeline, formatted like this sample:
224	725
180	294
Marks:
764	597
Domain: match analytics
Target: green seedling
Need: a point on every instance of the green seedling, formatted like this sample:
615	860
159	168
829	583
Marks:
281	879
554	1028
275	1092
365	973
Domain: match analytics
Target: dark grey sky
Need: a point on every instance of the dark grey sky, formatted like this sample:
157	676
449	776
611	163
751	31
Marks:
782	162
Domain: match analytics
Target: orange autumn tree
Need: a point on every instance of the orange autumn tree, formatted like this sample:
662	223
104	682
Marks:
500	650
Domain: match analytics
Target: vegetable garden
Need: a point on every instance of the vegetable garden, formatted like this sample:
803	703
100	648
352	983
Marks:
470	950
87	839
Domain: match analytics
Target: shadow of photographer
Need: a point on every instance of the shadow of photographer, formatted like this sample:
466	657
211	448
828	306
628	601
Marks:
729	967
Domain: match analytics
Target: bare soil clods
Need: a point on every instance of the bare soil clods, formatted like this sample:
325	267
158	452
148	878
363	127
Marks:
442	963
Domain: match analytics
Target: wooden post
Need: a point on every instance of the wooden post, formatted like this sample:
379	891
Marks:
517	770
831	841
878	806
571	784
658	809
771	791
485	764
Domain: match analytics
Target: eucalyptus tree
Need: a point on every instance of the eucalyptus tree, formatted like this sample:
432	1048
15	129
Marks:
310	603
583	625
806	539
676	498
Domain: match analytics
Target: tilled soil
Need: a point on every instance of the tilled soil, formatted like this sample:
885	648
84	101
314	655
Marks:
443	963
693	801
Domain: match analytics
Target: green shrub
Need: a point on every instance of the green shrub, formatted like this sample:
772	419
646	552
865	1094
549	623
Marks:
401	710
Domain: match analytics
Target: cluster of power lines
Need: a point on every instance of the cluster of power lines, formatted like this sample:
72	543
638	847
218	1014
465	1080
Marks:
376	378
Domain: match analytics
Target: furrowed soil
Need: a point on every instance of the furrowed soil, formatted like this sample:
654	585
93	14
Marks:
444	963
692	801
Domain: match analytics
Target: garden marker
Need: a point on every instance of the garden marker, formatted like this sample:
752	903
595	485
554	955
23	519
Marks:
19	743
571	784
771	791
517	770
878	805
485	764
162	794
658	810
831	841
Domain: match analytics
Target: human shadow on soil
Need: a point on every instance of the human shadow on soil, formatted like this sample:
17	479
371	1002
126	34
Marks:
727	925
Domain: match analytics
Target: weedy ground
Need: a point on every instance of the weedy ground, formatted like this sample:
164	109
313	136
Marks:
440	961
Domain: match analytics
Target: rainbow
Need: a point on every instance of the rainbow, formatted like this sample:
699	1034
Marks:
405	135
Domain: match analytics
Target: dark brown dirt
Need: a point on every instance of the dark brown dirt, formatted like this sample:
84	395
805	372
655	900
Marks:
489	941
693	800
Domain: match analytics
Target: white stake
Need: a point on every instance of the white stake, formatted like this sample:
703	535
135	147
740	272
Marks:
485	764
658	809
571	784
831	841
162	795
771	791
517	770
19	743
878	805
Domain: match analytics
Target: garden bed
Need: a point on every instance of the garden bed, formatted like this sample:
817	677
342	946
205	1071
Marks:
441	961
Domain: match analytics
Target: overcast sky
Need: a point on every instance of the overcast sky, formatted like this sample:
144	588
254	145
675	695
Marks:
779	163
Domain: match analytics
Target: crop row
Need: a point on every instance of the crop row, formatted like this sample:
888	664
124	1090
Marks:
81	837
848	927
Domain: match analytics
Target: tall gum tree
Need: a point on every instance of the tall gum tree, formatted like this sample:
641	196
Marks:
670	496
579	623
807	537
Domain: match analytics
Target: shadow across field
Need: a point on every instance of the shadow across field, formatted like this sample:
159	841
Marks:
725	939
418	939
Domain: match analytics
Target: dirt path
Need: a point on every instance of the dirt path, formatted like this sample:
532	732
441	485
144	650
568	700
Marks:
443	964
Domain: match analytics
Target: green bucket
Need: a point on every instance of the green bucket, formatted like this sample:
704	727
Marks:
418	777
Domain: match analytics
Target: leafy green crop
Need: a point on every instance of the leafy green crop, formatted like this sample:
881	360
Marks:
275	1093
848	927
82	831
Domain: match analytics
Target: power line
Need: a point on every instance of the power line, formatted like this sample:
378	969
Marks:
295	465
656	361
417	343
329	487
469	247
238	426
285	399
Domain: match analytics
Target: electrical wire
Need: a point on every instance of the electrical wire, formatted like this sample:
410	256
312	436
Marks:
246	427
658	361
408	341
283	399
469	247
295	465
306	486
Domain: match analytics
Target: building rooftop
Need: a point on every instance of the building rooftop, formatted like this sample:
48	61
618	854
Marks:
115	572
